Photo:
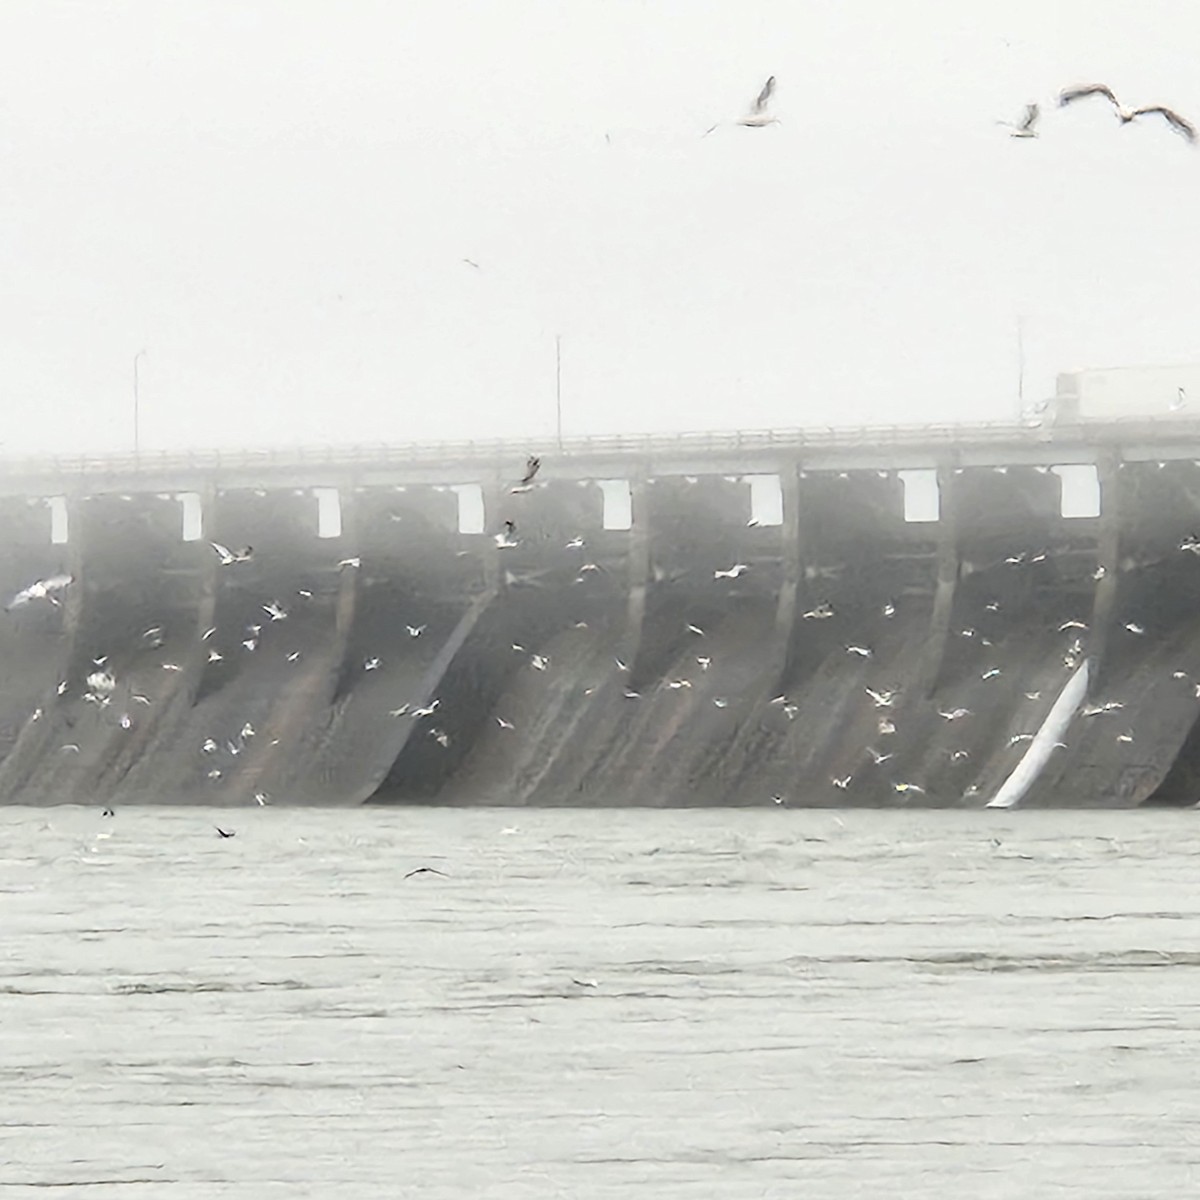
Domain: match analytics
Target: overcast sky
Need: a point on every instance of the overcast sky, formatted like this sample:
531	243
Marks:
274	200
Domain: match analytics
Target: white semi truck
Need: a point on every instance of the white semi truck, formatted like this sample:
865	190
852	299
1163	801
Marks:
1127	394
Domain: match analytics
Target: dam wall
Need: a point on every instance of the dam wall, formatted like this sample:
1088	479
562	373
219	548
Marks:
876	619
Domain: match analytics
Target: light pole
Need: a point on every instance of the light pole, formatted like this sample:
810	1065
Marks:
1020	364
137	439
558	389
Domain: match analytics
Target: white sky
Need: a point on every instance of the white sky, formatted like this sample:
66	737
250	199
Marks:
274	199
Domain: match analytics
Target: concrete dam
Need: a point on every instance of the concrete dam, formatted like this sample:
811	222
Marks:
872	617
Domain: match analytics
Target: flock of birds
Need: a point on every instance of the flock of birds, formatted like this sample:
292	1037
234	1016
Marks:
1026	127
758	115
102	683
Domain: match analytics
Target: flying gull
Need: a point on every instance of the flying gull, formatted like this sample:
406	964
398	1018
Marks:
42	589
954	714
1125	115
758	116
1024	128
228	557
532	466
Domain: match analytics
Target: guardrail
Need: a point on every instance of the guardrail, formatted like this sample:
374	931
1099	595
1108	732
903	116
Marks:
714	442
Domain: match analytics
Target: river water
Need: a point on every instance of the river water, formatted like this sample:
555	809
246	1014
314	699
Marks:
769	1003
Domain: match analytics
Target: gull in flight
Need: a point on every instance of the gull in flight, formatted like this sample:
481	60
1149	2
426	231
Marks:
539	662
861	651
1181	126
354	562
101	681
532	466
426	871
42	589
954	714
878	758
504	724
695	629
758	116
1134	627
371	664
882	699
733	572
228	557
1179	401
843	783
275	611
1071	625
215	656
415	631
821	613
909	787
1024	128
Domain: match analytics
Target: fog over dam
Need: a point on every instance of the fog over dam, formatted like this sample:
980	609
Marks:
880	618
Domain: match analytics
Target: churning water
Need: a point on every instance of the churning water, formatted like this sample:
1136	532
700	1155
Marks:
598	1004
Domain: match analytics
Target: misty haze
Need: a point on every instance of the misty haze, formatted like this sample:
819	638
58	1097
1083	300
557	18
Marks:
598	598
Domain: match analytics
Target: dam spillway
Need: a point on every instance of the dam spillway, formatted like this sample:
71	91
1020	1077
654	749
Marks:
874	617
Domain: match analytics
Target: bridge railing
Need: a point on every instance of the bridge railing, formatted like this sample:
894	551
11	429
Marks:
383	454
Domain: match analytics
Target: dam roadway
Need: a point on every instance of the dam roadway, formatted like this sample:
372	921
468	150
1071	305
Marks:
872	617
